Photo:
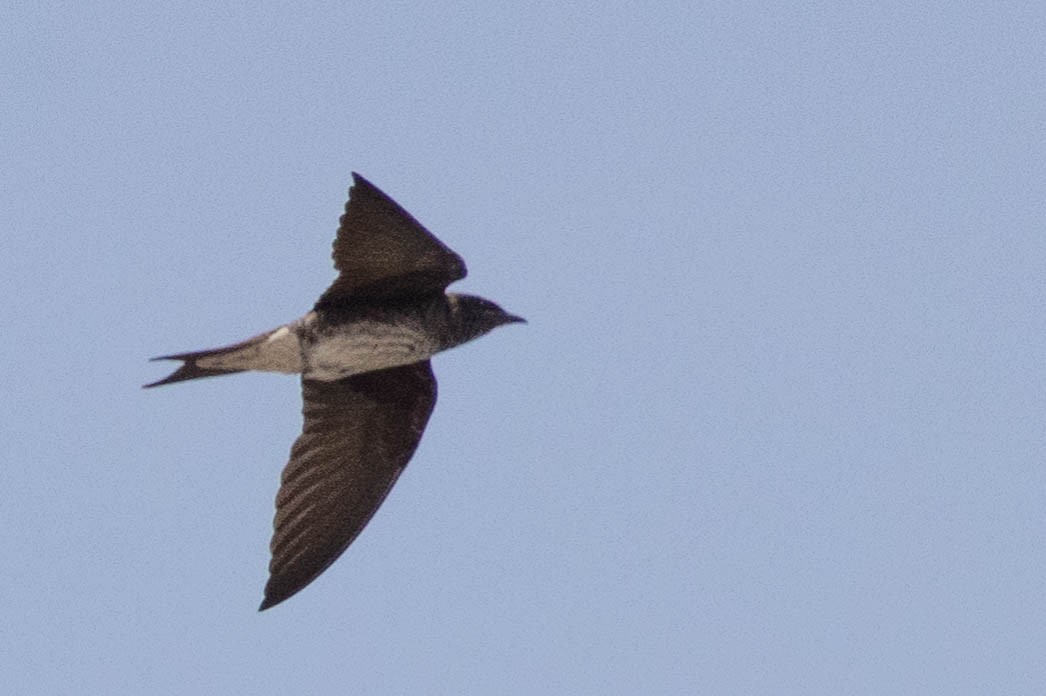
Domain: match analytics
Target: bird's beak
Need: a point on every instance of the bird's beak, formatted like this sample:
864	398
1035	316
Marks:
513	319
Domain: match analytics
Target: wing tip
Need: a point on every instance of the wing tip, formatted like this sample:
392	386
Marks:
276	593
362	181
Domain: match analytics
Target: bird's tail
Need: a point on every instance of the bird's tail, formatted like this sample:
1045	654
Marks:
190	369
273	351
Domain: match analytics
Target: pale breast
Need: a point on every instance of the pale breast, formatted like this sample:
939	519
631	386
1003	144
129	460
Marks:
365	346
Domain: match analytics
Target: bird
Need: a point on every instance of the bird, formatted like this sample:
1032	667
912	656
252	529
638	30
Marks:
363	353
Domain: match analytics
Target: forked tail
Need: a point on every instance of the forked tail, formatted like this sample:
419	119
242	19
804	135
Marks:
272	351
190	369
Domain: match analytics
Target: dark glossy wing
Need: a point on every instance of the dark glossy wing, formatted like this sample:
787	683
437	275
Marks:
359	434
382	252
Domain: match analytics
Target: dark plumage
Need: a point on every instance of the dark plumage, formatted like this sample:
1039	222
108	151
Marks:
367	383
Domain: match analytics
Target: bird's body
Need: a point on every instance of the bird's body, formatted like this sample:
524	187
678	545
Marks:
367	385
331	344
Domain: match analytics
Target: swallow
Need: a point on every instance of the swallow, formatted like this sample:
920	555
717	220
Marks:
363	354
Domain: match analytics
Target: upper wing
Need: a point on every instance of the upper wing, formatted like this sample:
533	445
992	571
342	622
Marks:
359	434
381	251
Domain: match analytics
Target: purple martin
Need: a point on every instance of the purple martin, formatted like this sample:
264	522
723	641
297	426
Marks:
367	384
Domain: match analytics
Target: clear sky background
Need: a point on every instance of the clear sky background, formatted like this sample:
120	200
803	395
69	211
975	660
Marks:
776	426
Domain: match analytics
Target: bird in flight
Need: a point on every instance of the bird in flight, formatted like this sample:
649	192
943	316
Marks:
367	384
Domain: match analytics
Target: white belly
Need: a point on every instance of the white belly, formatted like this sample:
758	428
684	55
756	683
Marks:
367	347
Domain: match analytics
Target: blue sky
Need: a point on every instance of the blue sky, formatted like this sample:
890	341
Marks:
776	425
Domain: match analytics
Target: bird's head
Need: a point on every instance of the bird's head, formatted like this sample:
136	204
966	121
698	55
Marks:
474	316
